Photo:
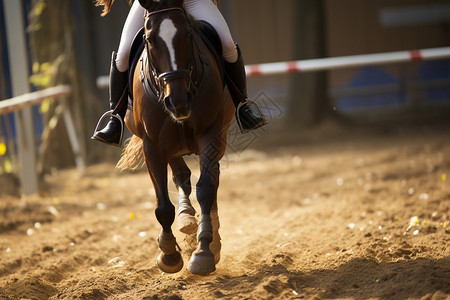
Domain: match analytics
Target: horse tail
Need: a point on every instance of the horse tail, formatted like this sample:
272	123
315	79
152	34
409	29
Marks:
132	156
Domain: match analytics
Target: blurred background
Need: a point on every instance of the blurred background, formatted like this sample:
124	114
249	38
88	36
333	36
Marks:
69	43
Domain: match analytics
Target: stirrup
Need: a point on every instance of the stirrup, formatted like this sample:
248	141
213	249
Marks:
254	107
106	115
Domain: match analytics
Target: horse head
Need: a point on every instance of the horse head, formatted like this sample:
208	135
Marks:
169	45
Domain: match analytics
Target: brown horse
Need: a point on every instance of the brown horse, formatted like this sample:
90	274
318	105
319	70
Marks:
186	110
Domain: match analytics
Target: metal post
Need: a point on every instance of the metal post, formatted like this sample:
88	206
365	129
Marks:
15	33
76	149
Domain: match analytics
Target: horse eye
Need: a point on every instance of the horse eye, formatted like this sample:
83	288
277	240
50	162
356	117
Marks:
148	38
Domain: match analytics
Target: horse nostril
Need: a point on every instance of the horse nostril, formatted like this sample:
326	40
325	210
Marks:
168	103
179	105
189	99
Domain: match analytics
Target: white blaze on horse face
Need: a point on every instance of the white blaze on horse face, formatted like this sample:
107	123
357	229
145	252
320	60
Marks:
167	32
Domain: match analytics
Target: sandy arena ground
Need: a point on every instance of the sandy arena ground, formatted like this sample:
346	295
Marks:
318	214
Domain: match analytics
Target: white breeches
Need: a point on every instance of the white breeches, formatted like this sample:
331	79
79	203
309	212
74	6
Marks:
204	10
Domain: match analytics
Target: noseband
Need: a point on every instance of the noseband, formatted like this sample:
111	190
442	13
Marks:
161	80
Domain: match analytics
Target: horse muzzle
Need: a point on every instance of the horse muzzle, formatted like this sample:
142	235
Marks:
179	105
179	99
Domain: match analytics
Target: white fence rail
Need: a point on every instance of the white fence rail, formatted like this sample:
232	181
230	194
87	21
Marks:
30	99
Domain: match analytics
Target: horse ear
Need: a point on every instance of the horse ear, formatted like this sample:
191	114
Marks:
146	3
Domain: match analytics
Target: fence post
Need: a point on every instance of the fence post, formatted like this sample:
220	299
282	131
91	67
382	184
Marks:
15	33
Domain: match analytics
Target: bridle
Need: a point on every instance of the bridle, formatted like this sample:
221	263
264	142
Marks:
161	80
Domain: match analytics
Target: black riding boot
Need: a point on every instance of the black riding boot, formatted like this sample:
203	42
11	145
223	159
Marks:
118	82
248	114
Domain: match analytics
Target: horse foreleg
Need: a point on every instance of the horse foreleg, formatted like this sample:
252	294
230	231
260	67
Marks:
170	259
203	260
187	223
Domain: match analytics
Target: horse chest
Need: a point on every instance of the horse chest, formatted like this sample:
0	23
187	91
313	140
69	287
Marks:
176	140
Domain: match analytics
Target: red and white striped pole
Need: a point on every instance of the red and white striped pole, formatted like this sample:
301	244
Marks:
320	64
346	61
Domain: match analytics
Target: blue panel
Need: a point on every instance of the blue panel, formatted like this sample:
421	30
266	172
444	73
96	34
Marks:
432	71
371	76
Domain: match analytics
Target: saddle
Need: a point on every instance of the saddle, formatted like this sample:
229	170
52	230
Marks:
137	47
208	36
212	41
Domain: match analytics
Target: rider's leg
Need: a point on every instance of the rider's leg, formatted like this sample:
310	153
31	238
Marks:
133	23
248	115
111	133
118	80
206	10
234	64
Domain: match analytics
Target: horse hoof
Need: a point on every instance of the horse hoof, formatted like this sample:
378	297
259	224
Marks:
215	249
202	262
170	263
217	258
187	224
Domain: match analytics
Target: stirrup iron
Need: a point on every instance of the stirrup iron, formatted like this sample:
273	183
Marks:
117	116
253	106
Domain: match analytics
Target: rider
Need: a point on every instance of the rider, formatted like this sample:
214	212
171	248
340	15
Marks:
249	117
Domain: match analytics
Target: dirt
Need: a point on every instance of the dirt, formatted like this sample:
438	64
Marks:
328	213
